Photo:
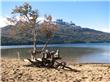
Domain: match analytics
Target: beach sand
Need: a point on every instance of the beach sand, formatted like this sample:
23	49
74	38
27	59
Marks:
14	70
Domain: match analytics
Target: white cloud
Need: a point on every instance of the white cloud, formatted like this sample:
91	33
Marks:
3	22
105	29
41	18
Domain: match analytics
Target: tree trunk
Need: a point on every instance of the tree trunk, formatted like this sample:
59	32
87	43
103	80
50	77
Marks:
33	22
34	37
35	33
45	46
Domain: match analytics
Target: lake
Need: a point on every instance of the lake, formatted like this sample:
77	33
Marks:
74	53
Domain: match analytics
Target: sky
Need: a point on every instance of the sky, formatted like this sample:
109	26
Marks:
90	14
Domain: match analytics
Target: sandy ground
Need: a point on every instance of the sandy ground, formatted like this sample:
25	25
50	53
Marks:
13	70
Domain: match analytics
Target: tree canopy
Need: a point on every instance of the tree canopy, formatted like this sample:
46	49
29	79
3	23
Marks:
28	19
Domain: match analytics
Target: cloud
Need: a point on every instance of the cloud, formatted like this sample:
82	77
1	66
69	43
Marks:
106	30
41	18
3	22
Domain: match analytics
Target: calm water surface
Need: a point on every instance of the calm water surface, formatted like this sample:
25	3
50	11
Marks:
79	53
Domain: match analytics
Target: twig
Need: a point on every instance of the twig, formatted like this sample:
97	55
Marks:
18	54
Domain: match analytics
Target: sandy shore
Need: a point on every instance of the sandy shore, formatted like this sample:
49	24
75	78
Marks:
13	70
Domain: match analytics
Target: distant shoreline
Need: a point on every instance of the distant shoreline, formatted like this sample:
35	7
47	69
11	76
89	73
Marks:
53	43
49	45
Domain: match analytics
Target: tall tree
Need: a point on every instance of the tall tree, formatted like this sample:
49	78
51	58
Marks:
27	18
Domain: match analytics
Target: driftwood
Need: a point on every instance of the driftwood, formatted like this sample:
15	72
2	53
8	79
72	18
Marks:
49	60
34	53
56	65
41	63
36	63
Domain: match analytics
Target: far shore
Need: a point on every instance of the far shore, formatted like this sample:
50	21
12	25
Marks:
49	45
16	70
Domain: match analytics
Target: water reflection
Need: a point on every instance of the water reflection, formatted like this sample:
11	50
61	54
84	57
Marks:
81	53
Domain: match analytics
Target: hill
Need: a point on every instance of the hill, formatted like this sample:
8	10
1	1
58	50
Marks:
67	33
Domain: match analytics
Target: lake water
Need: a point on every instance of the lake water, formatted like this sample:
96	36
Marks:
78	53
